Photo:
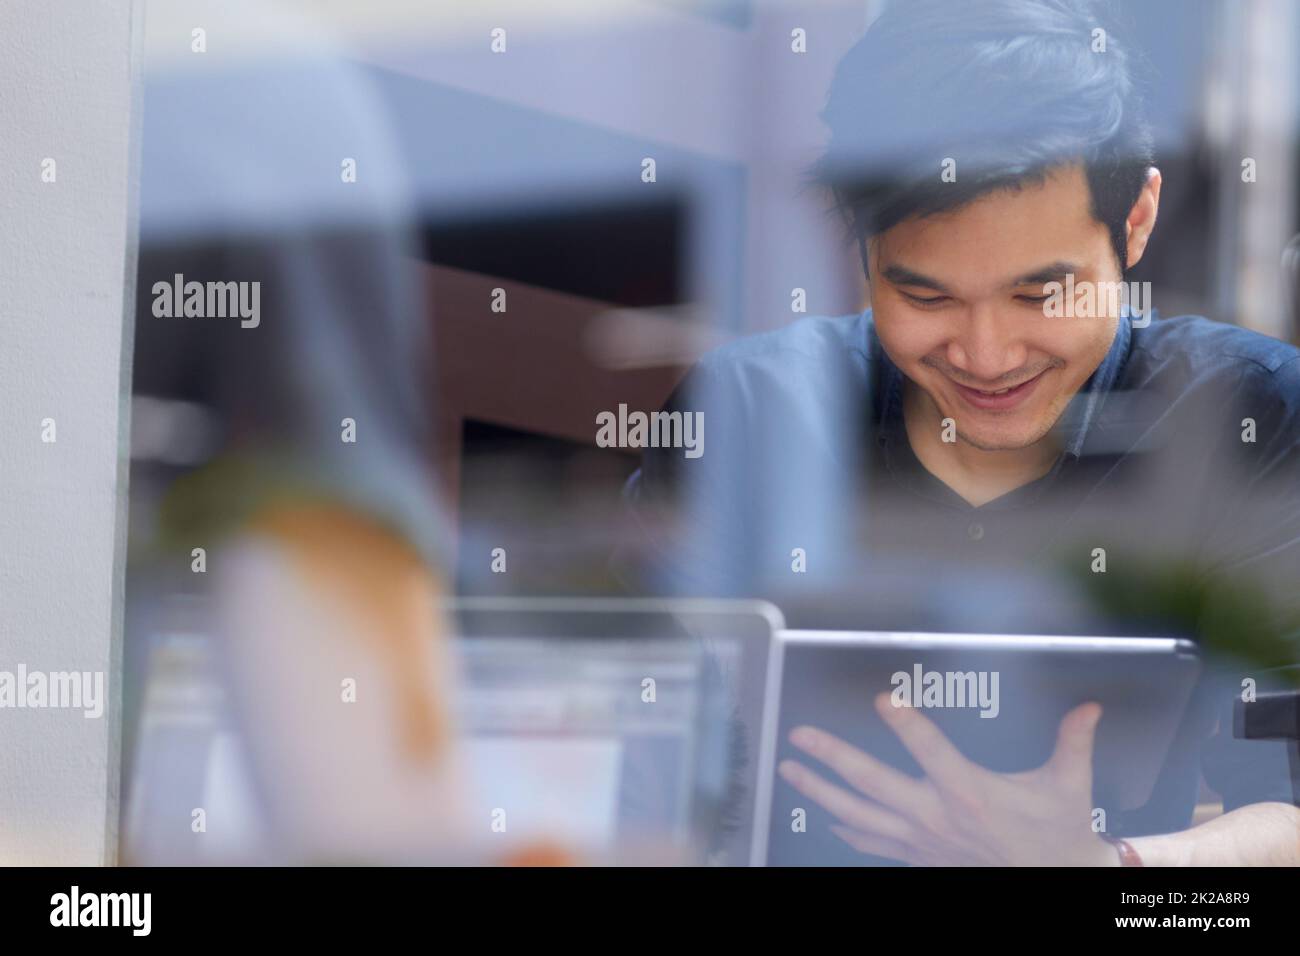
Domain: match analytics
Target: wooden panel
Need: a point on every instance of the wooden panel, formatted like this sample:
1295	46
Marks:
532	367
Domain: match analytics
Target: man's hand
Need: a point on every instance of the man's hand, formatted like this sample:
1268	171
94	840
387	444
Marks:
959	814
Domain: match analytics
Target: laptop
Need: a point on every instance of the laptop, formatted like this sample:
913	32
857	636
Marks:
626	730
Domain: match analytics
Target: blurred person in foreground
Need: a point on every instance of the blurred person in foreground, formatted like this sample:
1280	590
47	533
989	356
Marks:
316	505
992	162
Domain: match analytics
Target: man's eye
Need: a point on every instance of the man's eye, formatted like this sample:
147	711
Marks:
1034	299
925	300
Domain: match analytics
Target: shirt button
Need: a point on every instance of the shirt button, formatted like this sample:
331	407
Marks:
976	531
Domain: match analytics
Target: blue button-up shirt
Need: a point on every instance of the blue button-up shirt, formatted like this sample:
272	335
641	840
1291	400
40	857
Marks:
1174	506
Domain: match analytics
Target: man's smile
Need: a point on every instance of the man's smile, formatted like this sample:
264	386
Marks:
1003	399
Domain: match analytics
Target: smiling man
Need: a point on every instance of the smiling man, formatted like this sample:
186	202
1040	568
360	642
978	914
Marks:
959	438
958	306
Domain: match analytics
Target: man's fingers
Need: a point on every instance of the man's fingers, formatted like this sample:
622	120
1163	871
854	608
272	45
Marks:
862	815
1071	761
861	771
872	844
939	758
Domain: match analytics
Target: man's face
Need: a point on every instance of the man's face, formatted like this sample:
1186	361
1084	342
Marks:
958	302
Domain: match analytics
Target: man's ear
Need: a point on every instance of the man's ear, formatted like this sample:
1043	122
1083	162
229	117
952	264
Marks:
1142	217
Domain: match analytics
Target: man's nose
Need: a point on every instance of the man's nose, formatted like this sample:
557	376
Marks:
986	346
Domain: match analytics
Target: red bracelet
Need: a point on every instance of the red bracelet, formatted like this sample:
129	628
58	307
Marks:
1127	855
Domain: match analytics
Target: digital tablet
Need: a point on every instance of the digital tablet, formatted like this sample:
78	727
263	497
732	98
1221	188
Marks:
998	698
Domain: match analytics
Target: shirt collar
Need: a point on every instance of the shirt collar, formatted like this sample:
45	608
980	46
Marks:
1081	415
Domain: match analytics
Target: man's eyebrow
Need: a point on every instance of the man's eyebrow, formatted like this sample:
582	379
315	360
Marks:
901	275
1051	272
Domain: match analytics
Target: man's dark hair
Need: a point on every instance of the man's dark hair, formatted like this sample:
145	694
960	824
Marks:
1007	89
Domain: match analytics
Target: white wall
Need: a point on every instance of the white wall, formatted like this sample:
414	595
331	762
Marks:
66	251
